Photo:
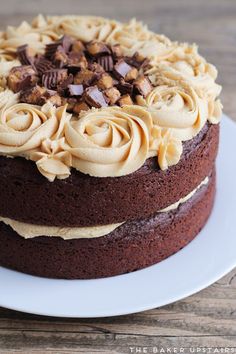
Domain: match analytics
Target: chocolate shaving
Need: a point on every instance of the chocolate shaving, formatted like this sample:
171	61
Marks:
94	97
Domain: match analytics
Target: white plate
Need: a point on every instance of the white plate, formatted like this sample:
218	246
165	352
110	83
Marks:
206	259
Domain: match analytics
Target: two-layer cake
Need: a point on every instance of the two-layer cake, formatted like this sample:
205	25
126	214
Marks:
108	140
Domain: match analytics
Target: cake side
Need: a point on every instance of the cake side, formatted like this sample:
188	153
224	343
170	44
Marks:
132	246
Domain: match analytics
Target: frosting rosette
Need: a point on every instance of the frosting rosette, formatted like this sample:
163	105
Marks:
198	74
215	111
185	63
7	99
170	150
35	36
135	37
201	78
52	161
165	146
176	105
109	141
23	127
7	65
85	28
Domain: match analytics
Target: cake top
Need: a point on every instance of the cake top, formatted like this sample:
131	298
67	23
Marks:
100	96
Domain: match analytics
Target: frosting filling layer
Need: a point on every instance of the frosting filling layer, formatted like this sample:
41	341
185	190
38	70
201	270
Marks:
67	233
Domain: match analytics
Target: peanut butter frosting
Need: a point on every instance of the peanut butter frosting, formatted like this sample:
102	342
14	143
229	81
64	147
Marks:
108	141
27	231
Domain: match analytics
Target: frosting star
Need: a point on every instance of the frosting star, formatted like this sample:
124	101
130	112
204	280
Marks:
52	161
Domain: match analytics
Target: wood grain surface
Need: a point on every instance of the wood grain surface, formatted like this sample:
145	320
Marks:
205	320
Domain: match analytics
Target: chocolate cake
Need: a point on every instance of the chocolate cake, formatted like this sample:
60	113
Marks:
108	140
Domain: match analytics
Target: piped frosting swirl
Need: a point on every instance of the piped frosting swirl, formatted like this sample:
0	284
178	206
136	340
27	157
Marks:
23	127
176	105
109	142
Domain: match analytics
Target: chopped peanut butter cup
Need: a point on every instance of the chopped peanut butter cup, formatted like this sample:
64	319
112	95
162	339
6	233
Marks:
94	74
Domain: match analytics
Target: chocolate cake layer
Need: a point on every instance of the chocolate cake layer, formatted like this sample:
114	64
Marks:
134	245
81	200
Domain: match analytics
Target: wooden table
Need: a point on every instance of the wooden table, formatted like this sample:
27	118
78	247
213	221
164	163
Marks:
207	319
